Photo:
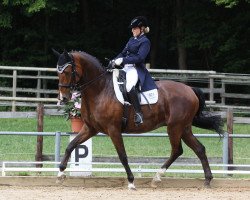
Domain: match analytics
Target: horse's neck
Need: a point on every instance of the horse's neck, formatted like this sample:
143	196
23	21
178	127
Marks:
94	83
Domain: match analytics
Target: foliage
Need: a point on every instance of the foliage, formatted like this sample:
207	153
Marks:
72	109
215	37
227	3
5	19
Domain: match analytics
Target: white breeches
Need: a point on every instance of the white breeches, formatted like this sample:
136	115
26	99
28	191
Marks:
131	76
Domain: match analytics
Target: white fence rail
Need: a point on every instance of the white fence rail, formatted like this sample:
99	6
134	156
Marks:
141	166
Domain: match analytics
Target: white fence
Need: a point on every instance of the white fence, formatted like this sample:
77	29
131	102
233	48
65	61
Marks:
141	167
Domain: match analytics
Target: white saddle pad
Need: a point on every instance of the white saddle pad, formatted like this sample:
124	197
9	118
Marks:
151	95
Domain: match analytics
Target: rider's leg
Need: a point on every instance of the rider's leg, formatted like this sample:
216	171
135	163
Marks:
133	97
132	78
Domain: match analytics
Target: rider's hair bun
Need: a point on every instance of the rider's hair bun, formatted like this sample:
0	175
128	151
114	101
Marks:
146	30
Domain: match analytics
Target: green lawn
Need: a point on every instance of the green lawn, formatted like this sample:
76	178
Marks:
24	147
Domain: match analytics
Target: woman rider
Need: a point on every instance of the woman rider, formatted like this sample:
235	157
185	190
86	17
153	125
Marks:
133	58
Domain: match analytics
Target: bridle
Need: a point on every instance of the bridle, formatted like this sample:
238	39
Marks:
60	69
73	85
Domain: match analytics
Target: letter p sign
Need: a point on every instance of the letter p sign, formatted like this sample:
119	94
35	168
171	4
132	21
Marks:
82	155
84	152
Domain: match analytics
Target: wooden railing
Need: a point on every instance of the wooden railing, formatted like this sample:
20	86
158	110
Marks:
37	91
15	89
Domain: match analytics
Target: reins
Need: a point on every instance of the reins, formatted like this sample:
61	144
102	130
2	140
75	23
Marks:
85	85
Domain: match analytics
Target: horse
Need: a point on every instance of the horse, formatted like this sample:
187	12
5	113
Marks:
179	106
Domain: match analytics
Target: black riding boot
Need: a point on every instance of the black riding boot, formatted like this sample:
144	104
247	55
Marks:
133	97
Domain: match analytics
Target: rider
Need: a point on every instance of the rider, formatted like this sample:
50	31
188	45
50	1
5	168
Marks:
132	59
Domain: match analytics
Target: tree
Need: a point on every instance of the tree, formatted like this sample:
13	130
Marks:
204	35
182	54
229	3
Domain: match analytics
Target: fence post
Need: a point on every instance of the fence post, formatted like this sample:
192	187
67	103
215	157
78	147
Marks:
57	147
225	151
39	145
38	86
211	88
230	139
3	169
223	87
14	83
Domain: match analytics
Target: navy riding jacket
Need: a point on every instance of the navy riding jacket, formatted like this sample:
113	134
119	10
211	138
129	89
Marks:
135	52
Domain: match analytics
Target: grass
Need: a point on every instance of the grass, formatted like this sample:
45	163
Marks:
19	148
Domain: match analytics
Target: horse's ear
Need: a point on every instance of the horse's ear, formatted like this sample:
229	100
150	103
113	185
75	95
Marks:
66	55
65	52
57	54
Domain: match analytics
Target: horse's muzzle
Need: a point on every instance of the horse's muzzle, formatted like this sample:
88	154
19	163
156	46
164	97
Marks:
60	102
62	99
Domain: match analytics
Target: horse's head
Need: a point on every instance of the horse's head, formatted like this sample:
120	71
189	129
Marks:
68	75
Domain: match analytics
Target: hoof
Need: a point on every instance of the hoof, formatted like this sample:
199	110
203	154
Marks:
207	185
155	184
61	176
157	178
131	186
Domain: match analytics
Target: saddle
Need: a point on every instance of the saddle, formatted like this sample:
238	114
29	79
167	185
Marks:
145	98
119	84
121	80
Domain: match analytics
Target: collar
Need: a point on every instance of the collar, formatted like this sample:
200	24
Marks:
141	35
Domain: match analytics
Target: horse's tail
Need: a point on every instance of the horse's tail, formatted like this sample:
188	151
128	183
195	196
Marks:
206	120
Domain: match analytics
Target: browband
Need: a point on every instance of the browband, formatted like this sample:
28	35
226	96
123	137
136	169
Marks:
61	68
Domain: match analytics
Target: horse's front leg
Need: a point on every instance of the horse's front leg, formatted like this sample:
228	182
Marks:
117	140
81	137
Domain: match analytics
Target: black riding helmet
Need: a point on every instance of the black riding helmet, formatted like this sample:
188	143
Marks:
138	21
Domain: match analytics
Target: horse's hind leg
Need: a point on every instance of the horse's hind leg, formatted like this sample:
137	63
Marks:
175	141
200	151
81	137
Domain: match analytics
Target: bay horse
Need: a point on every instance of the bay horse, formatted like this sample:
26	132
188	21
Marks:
179	107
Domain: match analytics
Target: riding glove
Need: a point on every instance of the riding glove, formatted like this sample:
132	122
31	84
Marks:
118	61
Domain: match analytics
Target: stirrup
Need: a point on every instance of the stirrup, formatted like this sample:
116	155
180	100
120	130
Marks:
138	119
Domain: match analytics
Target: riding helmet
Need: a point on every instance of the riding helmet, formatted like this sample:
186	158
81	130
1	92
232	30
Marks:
138	21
